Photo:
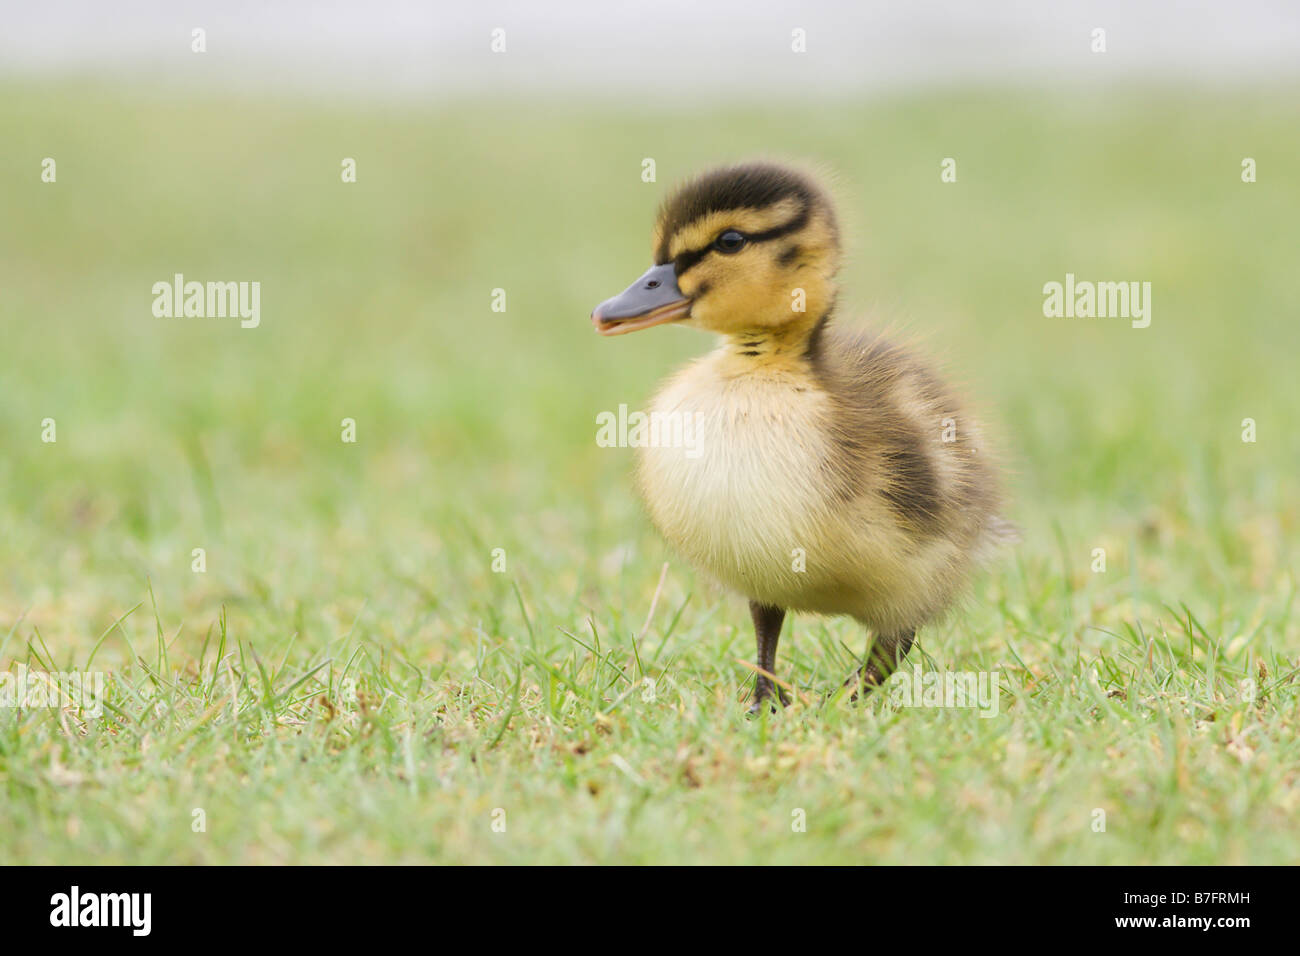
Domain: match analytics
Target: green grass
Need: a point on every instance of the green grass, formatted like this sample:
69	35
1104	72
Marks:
350	681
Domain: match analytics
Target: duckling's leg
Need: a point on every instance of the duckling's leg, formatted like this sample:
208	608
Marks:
887	652
767	629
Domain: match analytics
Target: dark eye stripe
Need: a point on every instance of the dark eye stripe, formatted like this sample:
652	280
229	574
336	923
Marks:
686	260
776	232
691	257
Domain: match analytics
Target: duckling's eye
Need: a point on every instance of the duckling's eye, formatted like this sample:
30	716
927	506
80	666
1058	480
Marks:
730	241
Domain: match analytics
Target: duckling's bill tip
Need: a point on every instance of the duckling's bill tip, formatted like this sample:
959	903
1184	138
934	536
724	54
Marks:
673	312
652	299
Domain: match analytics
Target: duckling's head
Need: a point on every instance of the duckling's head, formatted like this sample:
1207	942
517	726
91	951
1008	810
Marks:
741	249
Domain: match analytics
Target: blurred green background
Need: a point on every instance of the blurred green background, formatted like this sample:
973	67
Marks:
476	432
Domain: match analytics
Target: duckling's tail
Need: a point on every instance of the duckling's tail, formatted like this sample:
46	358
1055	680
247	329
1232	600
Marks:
1001	531
998	533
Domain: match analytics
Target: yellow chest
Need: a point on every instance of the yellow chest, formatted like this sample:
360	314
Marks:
745	498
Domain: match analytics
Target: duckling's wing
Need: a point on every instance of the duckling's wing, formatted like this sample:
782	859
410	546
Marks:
901	437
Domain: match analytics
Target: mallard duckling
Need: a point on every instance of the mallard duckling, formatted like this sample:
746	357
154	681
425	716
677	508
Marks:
831	473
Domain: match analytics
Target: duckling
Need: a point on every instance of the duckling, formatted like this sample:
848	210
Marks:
831	473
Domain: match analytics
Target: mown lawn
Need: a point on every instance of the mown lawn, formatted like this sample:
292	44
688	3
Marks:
350	680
